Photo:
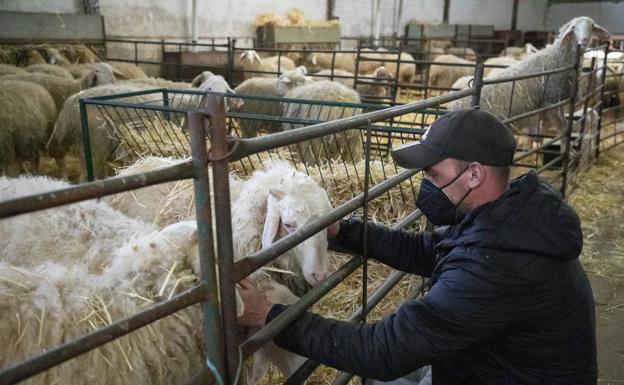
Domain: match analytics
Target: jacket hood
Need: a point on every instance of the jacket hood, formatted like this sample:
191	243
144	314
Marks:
530	218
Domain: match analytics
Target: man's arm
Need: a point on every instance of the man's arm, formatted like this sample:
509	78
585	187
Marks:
459	311
411	252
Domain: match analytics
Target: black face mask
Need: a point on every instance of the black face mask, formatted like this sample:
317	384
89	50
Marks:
436	205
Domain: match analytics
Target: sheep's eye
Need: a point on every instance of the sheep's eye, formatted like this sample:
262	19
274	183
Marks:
290	227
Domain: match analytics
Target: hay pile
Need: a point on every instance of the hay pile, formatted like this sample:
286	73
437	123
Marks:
153	136
294	18
598	201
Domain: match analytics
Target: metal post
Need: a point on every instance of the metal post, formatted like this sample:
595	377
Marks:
215	106
230	68
136	53
478	84
167	114
445	15
590	87
602	100
86	140
566	156
514	15
211	320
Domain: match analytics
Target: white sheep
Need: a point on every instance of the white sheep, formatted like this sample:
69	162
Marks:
380	75
27	115
346	144
519	53
499	61
120	266
317	61
49	69
441	75
255	66
532	93
265	87
462	52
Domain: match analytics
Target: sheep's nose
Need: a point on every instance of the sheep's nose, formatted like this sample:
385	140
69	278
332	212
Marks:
318	277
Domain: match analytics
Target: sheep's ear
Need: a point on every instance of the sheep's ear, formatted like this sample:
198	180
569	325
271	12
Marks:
119	75
313	59
277	194
199	79
600	33
257	57
271	223
183	234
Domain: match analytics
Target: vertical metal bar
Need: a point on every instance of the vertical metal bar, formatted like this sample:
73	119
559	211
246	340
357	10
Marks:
590	86
566	139
136	53
166	104
602	101
365	230
478	84
230	68
86	140
211	320
215	106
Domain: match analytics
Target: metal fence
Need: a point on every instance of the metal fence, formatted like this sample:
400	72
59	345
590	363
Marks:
179	110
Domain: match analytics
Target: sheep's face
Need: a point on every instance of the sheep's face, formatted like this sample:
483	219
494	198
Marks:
287	214
250	56
290	80
217	84
103	74
582	29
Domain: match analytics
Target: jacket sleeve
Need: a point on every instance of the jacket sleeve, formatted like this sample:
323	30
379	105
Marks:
459	311
411	252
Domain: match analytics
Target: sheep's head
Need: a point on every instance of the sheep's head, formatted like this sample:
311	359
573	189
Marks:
288	213
250	56
581	29
309	59
292	79
101	74
217	84
202	77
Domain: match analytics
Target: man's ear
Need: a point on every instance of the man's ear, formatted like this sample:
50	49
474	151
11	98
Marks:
477	174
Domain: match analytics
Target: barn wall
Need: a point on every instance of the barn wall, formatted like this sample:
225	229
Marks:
607	14
60	6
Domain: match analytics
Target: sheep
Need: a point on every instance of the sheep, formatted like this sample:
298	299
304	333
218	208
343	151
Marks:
78	70
380	75
8	69
532	93
461	83
255	66
316	61
463	52
62	88
103	126
265	87
265	207
49	69
67	134
27	115
127	70
500	60
433	53
519	53
346	144
407	70
441	75
55	57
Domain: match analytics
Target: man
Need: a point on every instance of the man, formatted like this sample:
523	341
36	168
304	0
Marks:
508	303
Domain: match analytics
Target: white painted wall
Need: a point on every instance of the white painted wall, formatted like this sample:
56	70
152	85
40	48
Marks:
532	15
60	6
496	12
608	14
166	19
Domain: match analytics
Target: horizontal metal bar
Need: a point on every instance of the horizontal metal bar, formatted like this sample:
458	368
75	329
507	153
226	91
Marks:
527	76
60	354
247	147
549	164
532	151
253	262
295	310
123	95
161	42
535	112
95	189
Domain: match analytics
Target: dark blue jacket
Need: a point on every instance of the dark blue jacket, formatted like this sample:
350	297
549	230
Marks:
509	302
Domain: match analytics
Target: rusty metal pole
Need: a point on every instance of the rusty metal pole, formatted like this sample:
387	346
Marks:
478	84
211	320
568	135
215	107
602	100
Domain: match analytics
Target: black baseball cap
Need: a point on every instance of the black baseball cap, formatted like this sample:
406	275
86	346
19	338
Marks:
469	134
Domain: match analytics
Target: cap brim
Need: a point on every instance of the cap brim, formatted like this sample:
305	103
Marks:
415	155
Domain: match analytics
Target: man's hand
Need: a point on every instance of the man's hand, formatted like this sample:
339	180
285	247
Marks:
333	229
257	307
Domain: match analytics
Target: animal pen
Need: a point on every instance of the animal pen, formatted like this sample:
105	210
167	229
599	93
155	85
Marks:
185	124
